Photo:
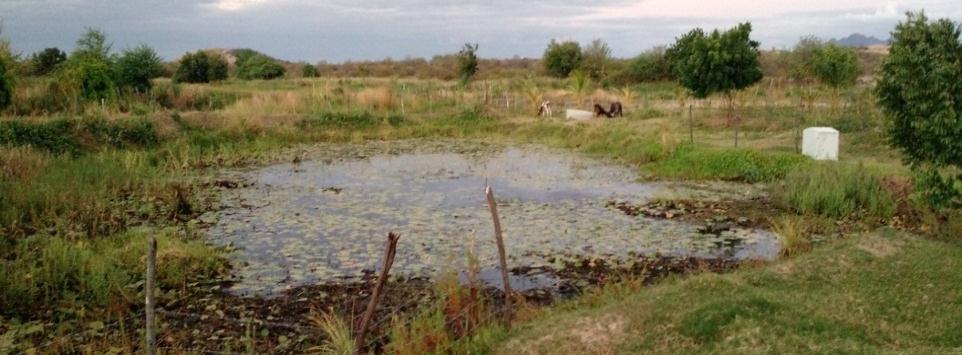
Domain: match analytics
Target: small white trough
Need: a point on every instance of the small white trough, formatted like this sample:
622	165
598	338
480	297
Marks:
820	143
578	115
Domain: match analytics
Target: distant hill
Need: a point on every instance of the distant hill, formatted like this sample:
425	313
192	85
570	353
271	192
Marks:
859	40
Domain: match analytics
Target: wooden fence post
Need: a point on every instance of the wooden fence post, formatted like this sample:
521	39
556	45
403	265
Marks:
501	254
150	333
390	249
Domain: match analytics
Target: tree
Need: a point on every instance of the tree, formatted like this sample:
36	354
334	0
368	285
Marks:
722	62
309	71
6	85
919	91
836	67
467	62
93	44
6	74
595	58
200	67
89	66
649	66
136	67
258	66
803	57
561	58
44	62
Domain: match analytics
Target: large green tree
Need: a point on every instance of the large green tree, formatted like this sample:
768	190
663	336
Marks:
136	67
561	58
721	62
920	91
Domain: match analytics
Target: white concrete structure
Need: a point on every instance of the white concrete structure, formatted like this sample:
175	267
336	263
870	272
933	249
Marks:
579	115
820	143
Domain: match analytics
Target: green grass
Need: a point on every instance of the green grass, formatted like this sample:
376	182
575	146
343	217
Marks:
881	292
835	190
697	163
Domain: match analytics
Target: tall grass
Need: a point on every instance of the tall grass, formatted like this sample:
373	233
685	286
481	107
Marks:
836	190
56	273
693	162
791	232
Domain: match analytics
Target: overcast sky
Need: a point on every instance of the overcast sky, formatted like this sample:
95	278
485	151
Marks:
337	30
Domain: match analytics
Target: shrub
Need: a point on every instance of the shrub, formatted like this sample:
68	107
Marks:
835	190
136	67
6	85
53	136
467	62
309	71
73	136
561	58
258	66
649	66
919	91
46	61
200	67
595	59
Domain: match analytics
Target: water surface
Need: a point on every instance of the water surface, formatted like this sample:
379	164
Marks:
326	218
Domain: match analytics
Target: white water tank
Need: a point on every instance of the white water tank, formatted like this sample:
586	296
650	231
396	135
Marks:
579	115
820	143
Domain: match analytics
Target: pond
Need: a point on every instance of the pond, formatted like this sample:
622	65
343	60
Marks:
325	218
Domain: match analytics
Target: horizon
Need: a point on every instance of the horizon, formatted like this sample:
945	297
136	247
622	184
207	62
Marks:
339	31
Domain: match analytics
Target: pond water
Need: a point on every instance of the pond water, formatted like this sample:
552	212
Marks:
326	218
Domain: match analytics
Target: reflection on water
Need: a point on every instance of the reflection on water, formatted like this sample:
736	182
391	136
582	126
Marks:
327	218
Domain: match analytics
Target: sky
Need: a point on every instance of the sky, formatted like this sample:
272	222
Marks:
339	30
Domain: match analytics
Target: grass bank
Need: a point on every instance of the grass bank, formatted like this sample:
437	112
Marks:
878	292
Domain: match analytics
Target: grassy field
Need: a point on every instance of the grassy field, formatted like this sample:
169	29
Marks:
81	184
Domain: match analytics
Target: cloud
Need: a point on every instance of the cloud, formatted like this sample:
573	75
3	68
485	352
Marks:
234	5
338	30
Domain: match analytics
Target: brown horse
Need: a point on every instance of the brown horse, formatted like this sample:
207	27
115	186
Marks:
600	111
615	110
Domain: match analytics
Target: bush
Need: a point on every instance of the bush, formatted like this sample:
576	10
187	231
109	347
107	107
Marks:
467	62
649	66
54	136
6	85
200	67
258	66
835	190
309	71
561	58
74	136
46	61
595	59
136	67
918	90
